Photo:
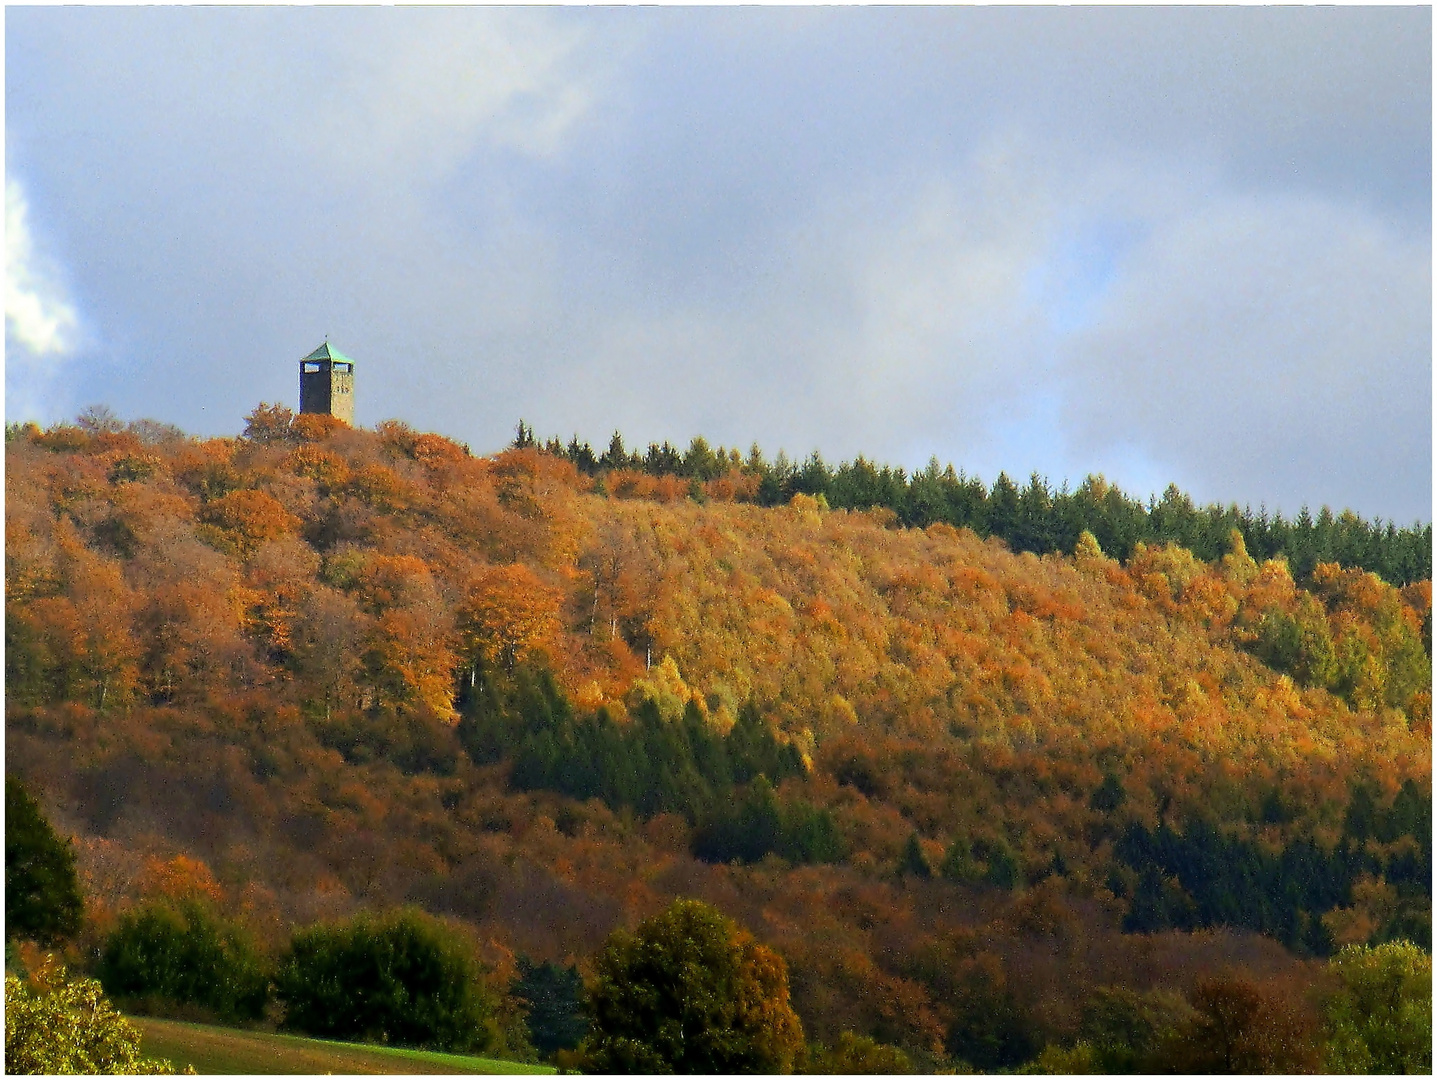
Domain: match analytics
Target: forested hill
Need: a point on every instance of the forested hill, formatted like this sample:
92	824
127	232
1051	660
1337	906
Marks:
1032	518
956	787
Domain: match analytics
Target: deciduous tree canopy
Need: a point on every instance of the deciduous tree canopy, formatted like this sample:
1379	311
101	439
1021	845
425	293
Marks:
399	979
689	992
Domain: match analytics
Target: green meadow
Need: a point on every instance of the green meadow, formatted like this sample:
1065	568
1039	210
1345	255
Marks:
220	1050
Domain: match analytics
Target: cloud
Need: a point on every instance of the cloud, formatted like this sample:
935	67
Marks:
277	174
1278	345
895	321
943	317
419	90
42	328
1187	244
1153	325
39	318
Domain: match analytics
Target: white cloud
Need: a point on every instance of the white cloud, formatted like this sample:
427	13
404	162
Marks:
38	316
42	328
944	318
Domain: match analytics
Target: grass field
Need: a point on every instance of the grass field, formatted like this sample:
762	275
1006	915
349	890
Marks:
219	1050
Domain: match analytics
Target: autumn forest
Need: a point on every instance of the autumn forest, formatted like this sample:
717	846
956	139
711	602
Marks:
1003	777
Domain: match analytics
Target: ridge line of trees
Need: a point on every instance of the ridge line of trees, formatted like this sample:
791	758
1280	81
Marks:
1036	517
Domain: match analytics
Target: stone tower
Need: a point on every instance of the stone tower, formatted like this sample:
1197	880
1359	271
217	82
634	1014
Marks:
326	384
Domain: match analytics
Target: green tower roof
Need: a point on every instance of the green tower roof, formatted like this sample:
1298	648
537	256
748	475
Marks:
328	352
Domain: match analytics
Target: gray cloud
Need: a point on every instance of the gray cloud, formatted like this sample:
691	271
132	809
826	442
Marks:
1275	344
883	317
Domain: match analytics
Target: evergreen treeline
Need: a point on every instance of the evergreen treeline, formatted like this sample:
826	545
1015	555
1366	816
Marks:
1202	877
759	824
720	783
1034	517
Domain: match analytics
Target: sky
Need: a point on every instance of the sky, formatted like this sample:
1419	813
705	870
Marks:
1187	245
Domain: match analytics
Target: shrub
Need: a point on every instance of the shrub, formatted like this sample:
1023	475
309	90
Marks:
68	1027
400	978
42	893
184	955
689	992
1080	1059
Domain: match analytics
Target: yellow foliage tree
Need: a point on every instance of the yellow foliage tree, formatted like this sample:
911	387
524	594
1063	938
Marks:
664	685
249	517
67	1026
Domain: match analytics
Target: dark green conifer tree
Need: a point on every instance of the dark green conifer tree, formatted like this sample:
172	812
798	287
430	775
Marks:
42	892
553	999
913	861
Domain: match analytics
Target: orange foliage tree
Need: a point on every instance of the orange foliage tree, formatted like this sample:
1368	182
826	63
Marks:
507	612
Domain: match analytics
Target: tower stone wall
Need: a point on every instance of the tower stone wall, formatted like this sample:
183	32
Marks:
326	384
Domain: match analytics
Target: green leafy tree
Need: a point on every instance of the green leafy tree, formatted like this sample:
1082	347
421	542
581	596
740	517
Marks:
990	861
399	978
690	992
990	1029
1003	870
1109	795
553	999
1379	1020
42	893
184	956
67	1027
1122	1028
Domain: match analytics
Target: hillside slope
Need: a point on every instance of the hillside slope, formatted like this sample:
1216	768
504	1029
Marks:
319	661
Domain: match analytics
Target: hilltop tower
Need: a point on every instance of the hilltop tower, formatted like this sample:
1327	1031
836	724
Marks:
326	384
